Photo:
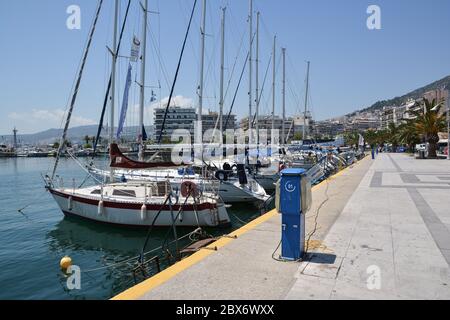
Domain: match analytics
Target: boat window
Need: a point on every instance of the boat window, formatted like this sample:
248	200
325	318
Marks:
124	193
98	191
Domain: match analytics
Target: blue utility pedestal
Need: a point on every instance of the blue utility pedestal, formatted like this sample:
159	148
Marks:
295	201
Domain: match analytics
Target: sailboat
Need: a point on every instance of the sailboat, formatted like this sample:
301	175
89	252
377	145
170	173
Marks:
231	185
150	203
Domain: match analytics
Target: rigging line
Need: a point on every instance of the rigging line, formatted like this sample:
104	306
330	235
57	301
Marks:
141	256
235	64
136	257
238	85
105	101
169	230
262	88
177	71
237	90
77	86
162	66
295	96
196	26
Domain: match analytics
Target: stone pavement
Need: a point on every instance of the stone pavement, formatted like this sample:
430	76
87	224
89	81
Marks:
392	239
243	268
379	230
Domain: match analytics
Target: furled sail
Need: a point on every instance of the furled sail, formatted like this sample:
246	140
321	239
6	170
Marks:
123	112
119	160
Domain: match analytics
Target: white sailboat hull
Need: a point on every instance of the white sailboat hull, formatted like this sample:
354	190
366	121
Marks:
130	214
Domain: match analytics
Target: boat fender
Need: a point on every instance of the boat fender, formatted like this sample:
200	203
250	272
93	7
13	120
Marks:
100	208
69	203
226	166
144	212
65	263
221	175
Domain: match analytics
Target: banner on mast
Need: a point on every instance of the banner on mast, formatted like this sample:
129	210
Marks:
135	48
123	112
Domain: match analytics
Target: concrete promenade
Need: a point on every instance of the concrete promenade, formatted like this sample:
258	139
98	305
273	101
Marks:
379	230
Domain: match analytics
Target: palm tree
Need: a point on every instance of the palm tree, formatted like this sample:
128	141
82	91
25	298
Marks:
392	135
429	123
351	138
371	137
408	135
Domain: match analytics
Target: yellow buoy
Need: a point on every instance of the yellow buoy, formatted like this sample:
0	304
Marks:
65	263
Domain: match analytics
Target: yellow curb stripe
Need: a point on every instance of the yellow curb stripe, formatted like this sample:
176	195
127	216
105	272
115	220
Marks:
144	287
140	289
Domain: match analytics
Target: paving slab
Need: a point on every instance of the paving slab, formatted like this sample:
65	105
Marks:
392	237
382	233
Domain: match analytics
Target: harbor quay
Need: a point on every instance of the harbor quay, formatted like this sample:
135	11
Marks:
379	229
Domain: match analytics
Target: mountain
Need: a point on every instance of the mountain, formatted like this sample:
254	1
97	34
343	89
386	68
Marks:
75	134
443	83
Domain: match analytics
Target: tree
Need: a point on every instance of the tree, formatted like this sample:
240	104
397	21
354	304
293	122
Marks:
407	134
86	140
429	123
371	137
297	136
392	135
351	138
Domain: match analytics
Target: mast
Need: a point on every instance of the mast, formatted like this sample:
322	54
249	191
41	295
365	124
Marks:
200	87
283	134
113	83
273	81
142	84
63	141
257	78
250	72
304	136
222	73
15	138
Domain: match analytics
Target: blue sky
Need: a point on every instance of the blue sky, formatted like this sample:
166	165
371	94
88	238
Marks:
351	66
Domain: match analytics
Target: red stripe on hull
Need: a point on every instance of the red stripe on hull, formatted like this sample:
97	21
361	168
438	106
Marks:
135	206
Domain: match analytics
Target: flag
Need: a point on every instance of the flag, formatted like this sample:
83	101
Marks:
153	97
144	134
135	48
123	112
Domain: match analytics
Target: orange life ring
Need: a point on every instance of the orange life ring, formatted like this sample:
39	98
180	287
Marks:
189	188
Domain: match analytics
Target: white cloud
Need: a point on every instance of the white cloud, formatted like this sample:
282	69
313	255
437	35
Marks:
178	101
49	118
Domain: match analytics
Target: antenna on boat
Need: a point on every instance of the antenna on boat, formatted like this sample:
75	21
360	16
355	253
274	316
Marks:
114	53
250	72
201	80
222	72
283	134
257	79
306	100
273	81
142	84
